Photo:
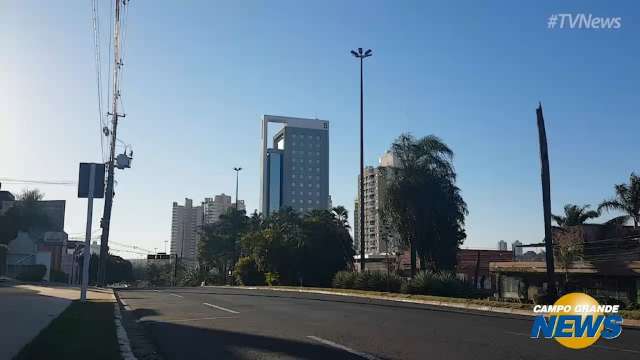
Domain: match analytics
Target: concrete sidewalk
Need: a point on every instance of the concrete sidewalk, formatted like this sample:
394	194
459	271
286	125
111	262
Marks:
27	309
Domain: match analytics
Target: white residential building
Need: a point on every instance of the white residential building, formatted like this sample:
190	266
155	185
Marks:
379	236
218	205
502	245
186	221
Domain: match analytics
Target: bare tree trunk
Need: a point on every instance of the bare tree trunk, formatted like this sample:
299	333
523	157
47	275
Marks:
412	249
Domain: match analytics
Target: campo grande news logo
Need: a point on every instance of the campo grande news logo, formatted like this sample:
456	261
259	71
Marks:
576	321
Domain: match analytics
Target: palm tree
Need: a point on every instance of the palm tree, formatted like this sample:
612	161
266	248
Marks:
422	201
575	215
627	200
341	215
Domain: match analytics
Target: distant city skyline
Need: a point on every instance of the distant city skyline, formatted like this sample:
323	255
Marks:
197	78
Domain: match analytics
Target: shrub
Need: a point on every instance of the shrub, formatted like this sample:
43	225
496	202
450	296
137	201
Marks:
272	278
192	276
367	280
246	272
58	276
344	280
32	273
444	283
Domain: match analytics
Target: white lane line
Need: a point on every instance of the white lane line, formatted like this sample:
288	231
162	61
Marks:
344	348
221	308
176	295
516	333
156	290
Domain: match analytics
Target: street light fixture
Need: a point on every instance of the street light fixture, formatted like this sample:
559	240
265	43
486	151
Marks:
237	170
361	55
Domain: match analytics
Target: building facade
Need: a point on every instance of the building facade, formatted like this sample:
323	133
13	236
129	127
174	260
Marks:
379	236
295	169
517	250
212	208
502	245
186	221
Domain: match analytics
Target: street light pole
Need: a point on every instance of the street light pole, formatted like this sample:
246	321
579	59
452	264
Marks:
360	55
237	170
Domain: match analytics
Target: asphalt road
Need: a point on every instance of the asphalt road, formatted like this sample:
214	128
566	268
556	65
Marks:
224	323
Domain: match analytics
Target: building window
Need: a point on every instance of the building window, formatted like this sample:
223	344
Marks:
317	185
317	169
293	184
293	176
309	185
308	201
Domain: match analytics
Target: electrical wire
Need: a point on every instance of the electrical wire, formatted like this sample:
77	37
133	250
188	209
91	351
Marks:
98	69
42	182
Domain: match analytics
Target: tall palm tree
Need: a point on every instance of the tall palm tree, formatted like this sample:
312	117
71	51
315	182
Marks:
341	215
422	201
627	199
575	215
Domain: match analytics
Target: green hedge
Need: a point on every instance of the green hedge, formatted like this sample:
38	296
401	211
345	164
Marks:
32	272
425	283
368	280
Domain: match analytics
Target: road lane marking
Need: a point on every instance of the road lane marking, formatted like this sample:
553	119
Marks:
221	308
156	290
344	348
176	295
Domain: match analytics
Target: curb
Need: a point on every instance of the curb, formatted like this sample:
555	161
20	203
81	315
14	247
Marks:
628	323
123	339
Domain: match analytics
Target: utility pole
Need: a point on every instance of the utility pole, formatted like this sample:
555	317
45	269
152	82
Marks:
237	170
360	55
108	201
546	204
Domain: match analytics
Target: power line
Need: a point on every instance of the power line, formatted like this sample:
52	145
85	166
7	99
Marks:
98	65
43	182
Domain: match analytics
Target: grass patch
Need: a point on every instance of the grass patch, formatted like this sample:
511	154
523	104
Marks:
82	331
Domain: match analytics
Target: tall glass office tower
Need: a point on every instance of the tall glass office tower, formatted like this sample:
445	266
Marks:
295	169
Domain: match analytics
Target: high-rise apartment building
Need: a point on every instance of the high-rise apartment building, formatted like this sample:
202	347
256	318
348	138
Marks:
186	221
218	205
517	250
502	245
379	237
295	169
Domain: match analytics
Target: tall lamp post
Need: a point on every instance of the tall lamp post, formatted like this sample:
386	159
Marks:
361	55
237	170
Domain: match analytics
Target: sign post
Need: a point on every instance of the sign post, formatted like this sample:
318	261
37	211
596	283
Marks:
90	185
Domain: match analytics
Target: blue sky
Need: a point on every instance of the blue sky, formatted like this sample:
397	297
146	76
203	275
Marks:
199	75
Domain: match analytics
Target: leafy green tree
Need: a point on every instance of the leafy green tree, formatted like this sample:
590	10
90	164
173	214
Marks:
423	203
627	200
219	247
327	248
24	215
575	215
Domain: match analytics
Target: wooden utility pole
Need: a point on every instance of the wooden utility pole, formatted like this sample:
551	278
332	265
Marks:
546	203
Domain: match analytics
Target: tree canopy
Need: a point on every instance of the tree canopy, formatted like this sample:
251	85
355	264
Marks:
423	203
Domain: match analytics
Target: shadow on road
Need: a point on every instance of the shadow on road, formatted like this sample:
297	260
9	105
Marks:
175	341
